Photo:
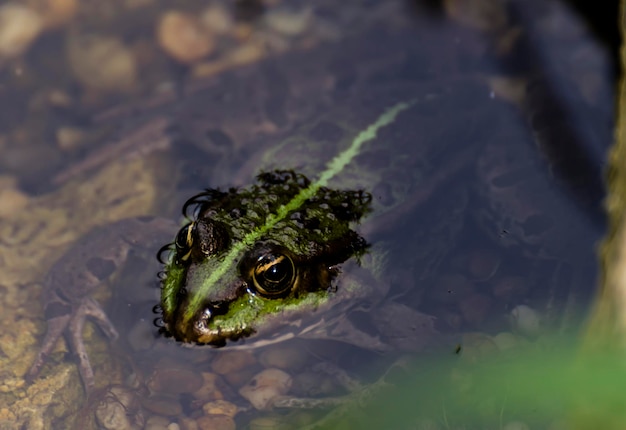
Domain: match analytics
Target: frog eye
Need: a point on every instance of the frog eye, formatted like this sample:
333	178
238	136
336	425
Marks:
184	241
274	274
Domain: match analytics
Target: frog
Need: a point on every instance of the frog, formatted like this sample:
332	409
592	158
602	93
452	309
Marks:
283	278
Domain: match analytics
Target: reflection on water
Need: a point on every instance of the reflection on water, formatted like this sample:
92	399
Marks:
108	113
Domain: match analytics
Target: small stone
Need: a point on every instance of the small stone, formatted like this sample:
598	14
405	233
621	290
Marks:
70	138
156	422
526	320
13	200
507	340
312	384
19	27
56	13
102	62
477	346
232	361
512	90
173	380
284	357
220	407
236	367
265	387
215	422
187	423
217	20
211	388
246	54
242	31
118	409
59	98
183	37
482	15
168	406
289	23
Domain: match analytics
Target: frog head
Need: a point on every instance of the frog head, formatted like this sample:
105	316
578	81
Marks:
256	259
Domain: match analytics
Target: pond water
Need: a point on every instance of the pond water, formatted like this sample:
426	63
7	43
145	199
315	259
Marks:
486	195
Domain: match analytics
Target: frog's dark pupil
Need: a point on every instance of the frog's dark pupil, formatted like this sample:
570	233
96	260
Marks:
274	274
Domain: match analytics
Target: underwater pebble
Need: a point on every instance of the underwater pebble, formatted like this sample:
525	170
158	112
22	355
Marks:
102	62
289	23
525	320
156	422
210	389
265	386
220	407
232	361
13	200
236	367
240	56
283	357
56	13
19	27
168	406
245	54
312	384
183	37
119	410
482	15
215	422
186	423
507	340
216	19
69	138
476	346
512	90
173	380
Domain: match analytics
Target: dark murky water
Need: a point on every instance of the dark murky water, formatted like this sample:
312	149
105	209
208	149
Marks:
500	250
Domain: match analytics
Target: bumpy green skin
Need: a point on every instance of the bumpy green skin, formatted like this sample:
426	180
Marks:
316	236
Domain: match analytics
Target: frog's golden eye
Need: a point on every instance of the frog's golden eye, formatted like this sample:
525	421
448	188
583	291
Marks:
274	274
184	241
